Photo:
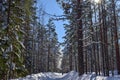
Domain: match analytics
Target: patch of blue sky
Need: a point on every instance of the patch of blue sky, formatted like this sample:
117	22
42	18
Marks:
51	7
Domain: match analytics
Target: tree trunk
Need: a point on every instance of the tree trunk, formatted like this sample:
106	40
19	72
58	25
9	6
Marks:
116	38
80	37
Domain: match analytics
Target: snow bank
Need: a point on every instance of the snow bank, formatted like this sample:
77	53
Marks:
68	76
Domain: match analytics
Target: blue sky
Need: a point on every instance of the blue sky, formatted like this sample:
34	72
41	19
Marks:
53	8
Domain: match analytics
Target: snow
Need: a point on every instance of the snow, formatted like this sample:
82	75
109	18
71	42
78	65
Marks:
67	76
59	59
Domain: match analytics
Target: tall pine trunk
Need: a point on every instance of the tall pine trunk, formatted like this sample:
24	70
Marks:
80	37
116	38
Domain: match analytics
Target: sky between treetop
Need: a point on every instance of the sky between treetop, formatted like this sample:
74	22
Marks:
53	8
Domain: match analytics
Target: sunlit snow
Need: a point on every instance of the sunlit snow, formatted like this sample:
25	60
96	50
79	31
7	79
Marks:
97	1
67	76
59	59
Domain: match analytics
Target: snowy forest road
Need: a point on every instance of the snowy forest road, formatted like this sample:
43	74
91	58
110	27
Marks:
51	76
66	76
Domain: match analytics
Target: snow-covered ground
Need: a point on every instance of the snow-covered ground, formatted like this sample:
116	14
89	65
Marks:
68	76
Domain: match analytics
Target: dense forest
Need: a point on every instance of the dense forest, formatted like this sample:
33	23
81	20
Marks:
92	36
28	45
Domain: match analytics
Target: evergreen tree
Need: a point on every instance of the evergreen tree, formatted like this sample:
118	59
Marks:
51	44
94	23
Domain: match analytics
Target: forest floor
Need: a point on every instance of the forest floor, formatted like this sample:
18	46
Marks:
67	76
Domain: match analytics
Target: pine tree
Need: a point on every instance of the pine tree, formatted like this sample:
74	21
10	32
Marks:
97	34
52	42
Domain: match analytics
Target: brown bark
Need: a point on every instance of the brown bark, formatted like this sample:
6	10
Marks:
80	37
8	22
116	39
